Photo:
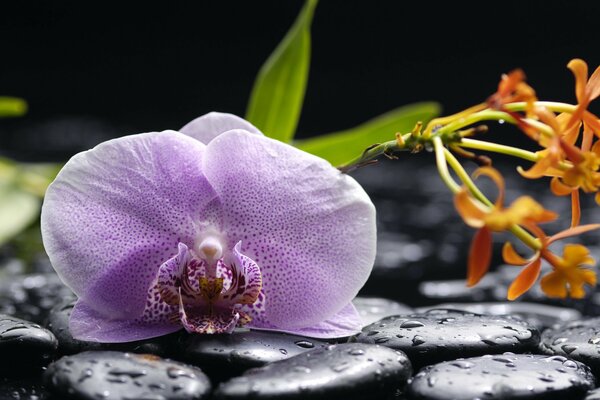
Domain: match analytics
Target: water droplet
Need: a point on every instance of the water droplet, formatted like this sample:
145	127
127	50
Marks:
570	364
500	121
417	340
305	344
85	374
127	372
372	333
462	364
559	340
356	352
174	373
568	348
411	324
283	351
301	369
595	340
341	367
382	339
431	381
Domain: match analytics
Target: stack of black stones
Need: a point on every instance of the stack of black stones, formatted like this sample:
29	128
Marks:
426	336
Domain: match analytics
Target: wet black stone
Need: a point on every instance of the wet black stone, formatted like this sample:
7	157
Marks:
593	395
541	316
227	355
506	376
116	375
372	309
58	323
579	340
29	388
32	296
440	334
24	345
343	371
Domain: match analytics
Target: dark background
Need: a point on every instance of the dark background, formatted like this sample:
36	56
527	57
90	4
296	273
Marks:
91	70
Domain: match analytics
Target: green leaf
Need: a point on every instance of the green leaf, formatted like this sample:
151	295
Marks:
12	107
18	209
340	147
278	93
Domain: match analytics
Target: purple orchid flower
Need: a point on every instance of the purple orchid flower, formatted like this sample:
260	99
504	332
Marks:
209	228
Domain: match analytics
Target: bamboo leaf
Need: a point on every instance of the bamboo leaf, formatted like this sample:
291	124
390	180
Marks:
342	146
278	93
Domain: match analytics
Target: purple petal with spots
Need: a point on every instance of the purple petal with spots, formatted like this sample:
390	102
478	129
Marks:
88	324
310	228
200	320
246	280
172	275
115	213
211	125
345	323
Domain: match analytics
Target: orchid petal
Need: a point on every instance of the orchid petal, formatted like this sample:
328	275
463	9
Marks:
497	178
246	280
346	322
580	71
525	280
171	275
129	202
558	188
204	320
211	125
593	85
573	231
554	285
310	228
88	324
480	256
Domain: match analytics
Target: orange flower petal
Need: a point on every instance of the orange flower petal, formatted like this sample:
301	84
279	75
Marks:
470	212
525	280
575	208
480	256
589	277
580	70
597	198
575	255
495	176
559	188
593	85
510	256
578	230
553	285
537	170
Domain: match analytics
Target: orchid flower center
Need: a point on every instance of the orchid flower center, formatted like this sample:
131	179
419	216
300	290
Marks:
209	285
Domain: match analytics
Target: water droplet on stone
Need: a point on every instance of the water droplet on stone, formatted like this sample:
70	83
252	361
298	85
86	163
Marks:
411	324
356	352
305	344
382	339
568	348
417	340
462	364
283	351
559	340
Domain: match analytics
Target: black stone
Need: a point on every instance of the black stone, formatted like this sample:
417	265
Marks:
114	375
579	340
227	355
24	345
28	388
32	296
440	335
58	323
343	371
506	376
541	316
372	309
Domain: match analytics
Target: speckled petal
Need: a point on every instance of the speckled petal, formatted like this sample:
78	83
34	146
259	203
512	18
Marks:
246	280
88	324
171	274
199	320
345	323
310	228
211	125
115	213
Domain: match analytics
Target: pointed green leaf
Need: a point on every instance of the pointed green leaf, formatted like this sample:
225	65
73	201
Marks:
278	92
18	209
12	107
340	147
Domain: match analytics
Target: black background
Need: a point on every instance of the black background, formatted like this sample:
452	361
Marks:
143	66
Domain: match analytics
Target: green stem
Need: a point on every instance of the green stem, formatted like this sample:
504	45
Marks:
498	148
492	115
442	166
550	105
372	153
516	230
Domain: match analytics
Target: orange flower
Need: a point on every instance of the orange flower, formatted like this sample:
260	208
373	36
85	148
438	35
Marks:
566	270
569	274
495	219
512	88
583	175
586	91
